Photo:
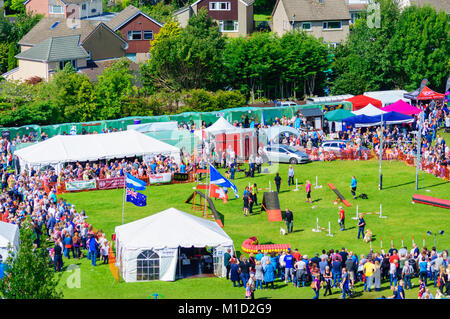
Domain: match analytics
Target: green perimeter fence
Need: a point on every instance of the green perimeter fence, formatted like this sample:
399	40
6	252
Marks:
265	114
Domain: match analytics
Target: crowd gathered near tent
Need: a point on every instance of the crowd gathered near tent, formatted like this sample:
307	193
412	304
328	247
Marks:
336	271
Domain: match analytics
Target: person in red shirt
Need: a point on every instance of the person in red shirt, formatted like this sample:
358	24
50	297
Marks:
297	255
341	218
394	258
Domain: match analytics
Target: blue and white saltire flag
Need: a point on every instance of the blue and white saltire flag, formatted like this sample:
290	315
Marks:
217	179
136	198
135	183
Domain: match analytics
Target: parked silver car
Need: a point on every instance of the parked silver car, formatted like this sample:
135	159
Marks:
333	145
280	153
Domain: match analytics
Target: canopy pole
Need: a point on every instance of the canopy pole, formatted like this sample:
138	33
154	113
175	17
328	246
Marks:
419	148
380	186
124	194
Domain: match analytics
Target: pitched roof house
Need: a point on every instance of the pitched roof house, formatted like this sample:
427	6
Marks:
234	17
327	19
138	29
48	56
437	4
43	52
65	8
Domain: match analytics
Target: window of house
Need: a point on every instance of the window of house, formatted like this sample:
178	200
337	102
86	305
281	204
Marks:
306	25
147	267
56	9
330	25
354	16
228	25
94	10
219	6
134	35
62	64
83	6
148	35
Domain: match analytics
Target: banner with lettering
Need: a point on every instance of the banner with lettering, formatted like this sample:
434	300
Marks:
80	185
160	178
111	183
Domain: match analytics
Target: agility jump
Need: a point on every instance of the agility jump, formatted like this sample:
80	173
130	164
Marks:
380	213
318	229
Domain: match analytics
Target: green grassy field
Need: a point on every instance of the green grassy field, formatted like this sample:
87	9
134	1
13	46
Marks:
104	209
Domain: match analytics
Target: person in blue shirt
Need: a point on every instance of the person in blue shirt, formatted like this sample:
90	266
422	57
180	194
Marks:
259	255
423	270
182	168
353	185
336	272
93	246
400	290
289	267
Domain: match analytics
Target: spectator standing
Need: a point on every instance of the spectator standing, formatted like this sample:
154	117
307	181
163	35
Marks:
291	174
226	262
289	220
361	225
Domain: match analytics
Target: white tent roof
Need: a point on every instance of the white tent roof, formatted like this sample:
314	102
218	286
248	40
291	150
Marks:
221	125
9	234
388	97
369	110
328	99
171	228
72	148
154	127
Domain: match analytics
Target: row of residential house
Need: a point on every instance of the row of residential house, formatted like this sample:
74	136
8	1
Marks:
80	32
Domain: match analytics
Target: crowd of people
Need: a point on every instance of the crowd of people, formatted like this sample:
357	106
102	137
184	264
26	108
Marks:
53	220
337	271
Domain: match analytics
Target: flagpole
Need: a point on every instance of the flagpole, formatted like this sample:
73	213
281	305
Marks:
207	189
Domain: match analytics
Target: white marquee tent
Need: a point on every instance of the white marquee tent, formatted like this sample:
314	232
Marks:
62	149
369	110
9	238
388	97
155	241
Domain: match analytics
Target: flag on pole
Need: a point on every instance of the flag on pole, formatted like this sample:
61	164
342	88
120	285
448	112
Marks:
218	192
136	198
135	183
217	179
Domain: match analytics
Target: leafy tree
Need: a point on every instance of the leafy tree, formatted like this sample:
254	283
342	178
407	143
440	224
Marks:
18	6
4	51
368	58
160	12
114	87
188	59
12	61
420	48
29	275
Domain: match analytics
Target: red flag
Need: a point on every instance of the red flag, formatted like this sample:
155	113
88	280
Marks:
217	192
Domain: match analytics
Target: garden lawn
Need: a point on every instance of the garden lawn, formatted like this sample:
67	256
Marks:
404	219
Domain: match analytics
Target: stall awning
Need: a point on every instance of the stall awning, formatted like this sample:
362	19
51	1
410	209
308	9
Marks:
312	112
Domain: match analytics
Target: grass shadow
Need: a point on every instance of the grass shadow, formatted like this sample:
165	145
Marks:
434	185
399	185
317	200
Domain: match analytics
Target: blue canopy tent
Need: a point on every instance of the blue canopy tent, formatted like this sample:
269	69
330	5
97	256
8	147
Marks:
382	119
387	118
